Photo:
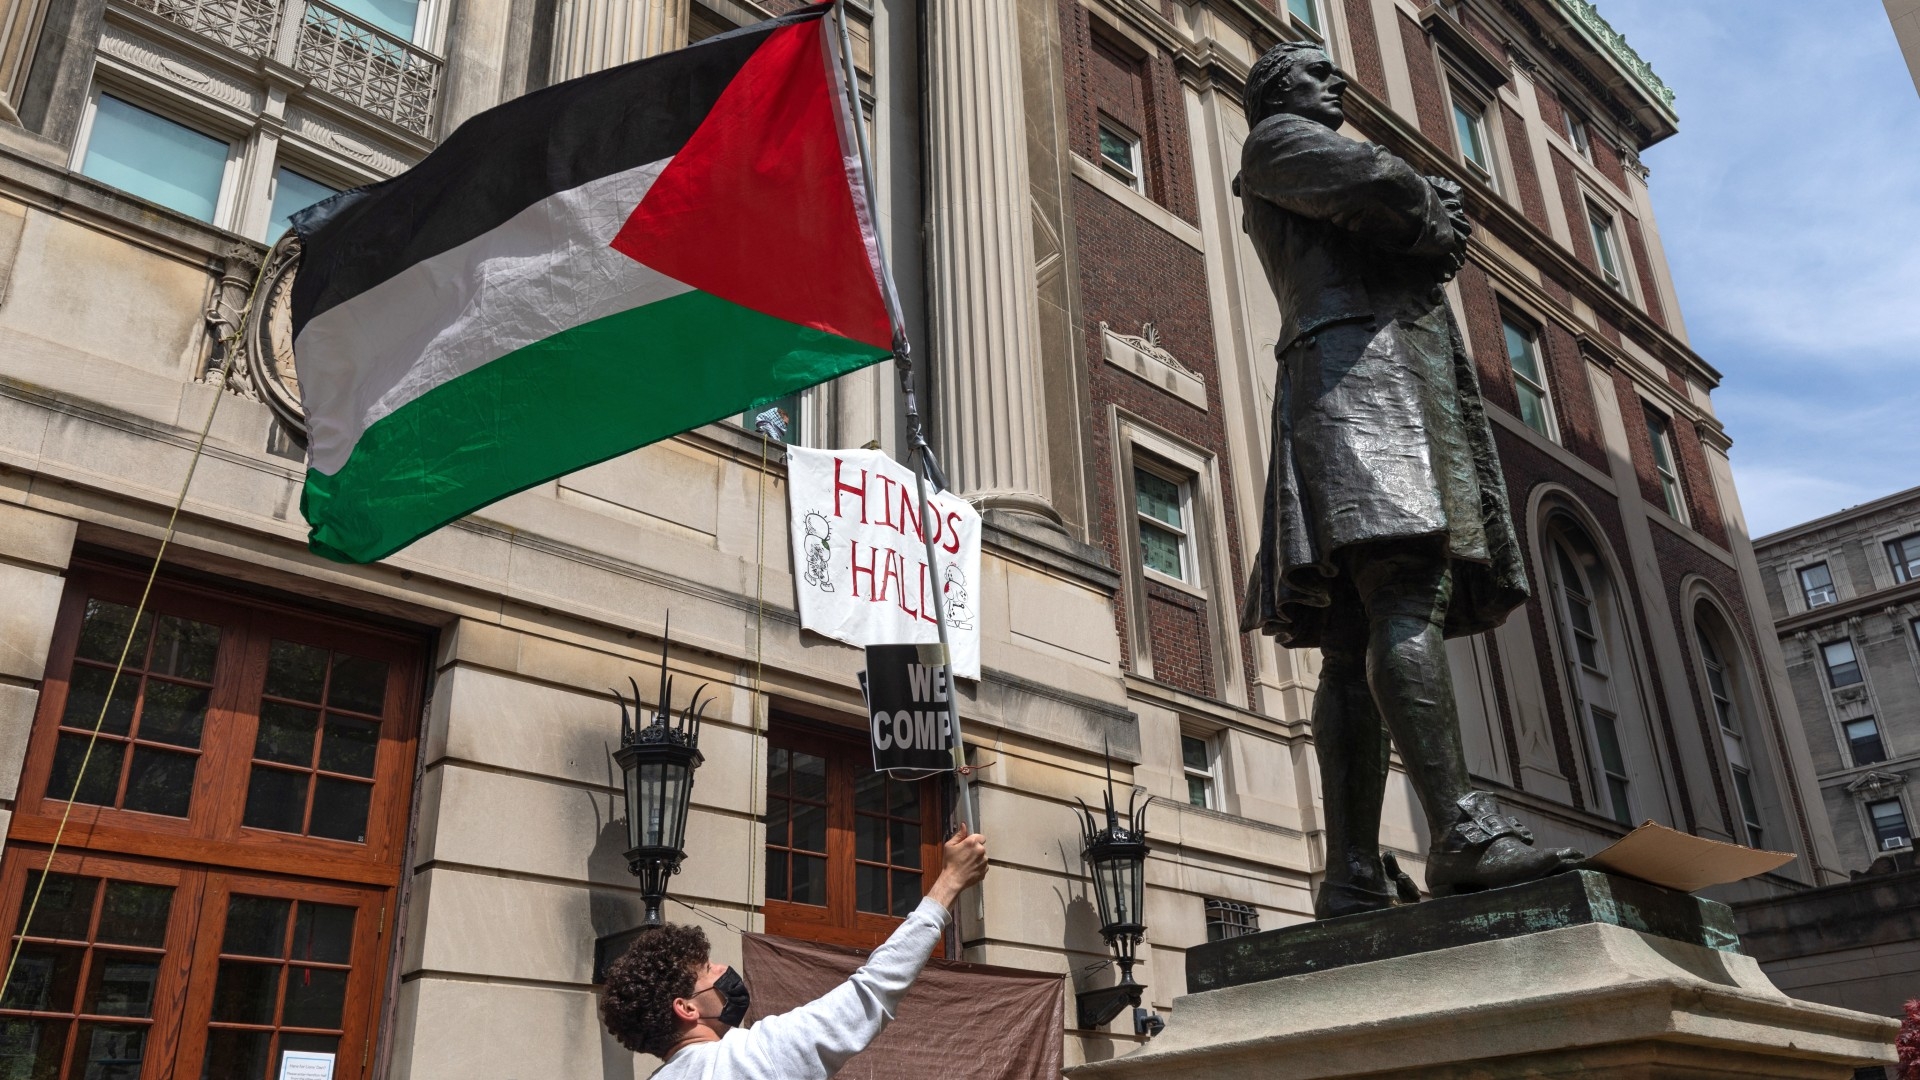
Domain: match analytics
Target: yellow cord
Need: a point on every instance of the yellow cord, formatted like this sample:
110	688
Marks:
232	348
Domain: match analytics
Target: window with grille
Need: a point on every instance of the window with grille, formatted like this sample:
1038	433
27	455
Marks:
1529	375
1890	827
1904	556
1843	667
1816	582
1863	741
849	851
1230	919
220	897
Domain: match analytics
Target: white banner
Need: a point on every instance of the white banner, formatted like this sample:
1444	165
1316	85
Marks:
860	564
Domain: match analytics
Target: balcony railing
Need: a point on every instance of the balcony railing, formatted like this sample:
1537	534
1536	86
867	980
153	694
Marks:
368	67
362	65
245	26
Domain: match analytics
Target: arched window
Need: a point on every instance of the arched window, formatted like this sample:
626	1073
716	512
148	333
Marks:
1719	656
1600	682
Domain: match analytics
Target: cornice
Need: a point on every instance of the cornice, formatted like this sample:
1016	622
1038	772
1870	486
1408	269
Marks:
1878	600
1836	519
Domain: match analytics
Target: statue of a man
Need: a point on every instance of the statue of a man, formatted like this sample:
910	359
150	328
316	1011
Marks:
1386	528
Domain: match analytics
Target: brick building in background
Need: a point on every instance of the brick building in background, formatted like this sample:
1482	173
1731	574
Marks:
1097	344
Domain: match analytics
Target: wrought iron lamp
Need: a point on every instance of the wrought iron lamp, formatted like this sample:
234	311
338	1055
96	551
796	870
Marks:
658	761
1117	856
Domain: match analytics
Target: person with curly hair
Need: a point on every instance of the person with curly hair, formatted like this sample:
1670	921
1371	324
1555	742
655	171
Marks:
666	996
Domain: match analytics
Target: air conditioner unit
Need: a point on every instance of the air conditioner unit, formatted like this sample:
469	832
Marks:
1892	842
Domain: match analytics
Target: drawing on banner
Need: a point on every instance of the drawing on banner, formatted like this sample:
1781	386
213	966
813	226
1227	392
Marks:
860	560
959	609
819	547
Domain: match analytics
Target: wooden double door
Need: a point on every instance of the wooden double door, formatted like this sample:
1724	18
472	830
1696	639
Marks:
200	873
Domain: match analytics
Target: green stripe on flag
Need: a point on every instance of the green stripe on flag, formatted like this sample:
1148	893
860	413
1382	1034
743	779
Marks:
580	397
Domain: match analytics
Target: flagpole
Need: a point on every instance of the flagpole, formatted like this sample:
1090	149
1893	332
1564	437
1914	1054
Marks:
927	469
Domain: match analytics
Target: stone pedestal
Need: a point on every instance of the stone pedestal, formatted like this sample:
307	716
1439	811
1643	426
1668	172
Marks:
1582	975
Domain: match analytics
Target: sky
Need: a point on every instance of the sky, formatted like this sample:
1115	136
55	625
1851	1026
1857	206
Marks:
1789	205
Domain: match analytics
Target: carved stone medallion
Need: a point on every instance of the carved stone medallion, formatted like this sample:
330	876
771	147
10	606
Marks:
269	345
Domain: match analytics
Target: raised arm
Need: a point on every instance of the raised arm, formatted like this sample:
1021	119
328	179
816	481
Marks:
1314	171
814	1040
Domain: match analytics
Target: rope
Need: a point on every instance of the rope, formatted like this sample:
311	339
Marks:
230	346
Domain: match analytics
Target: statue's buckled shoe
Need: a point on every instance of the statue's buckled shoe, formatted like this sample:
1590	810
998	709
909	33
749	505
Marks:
1471	856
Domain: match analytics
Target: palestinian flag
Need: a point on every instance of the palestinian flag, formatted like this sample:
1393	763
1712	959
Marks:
578	273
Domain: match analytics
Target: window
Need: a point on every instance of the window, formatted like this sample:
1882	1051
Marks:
1606	249
849	851
1120	153
396	17
292	193
1577	133
1196	759
1816	582
161	160
1660	434
1890	824
1863	741
1717	686
1904	555
276	746
1529	380
1843	668
1164	507
1749	808
1586	604
1579	605
1306	13
1230	919
1613	764
1470	125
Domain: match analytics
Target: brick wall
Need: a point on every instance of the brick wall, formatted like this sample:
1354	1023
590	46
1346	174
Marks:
1606	158
1182	650
1369	68
1550	109
1703	503
1633	417
1532	202
1573	401
1103	75
1643	266
1430	104
1575	203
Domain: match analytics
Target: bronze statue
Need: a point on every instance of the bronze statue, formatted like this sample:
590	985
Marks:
1386	527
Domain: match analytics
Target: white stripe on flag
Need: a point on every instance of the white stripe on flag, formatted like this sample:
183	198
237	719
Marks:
548	269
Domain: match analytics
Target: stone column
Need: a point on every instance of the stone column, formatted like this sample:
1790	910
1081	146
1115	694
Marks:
591	35
988	404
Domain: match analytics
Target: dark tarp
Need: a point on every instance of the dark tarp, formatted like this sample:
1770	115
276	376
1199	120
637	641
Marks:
959	1019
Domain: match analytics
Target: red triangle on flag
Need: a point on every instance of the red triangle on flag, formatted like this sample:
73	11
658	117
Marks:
757	208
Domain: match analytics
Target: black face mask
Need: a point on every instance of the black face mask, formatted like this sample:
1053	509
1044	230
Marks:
732	990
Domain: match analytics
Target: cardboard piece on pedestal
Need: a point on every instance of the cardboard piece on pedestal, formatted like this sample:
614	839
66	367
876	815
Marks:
1676	860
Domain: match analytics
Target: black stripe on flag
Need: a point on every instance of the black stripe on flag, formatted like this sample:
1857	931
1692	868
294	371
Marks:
511	156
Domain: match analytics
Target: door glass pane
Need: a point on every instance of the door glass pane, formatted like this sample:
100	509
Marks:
869	838
870	793
134	914
358	685
292	192
905	841
809	880
102	770
87	689
315	997
148	155
340	809
810	828
870	889
276	799
245	993
109	1051
236	1055
31	1049
906	893
296	671
45	978
350	746
185	648
173	713
324	932
65	909
103	633
286	733
256	926
121	984
809	776
160	782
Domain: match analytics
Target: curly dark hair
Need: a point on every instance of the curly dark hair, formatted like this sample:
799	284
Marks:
663	964
1274	70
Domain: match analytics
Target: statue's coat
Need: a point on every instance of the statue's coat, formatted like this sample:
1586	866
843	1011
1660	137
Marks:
1379	431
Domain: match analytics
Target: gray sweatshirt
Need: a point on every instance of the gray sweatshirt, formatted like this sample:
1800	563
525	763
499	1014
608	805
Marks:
814	1040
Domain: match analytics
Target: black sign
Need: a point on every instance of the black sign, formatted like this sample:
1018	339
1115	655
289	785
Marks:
909	707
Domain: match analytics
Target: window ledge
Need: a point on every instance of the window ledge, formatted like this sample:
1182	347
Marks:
1481	63
1159	215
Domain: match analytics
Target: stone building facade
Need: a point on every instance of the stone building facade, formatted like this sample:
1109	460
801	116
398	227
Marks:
1844	591
406	765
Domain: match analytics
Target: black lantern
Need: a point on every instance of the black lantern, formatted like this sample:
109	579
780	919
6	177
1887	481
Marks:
658	762
1117	856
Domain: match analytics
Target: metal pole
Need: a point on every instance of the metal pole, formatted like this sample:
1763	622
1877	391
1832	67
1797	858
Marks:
926	468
